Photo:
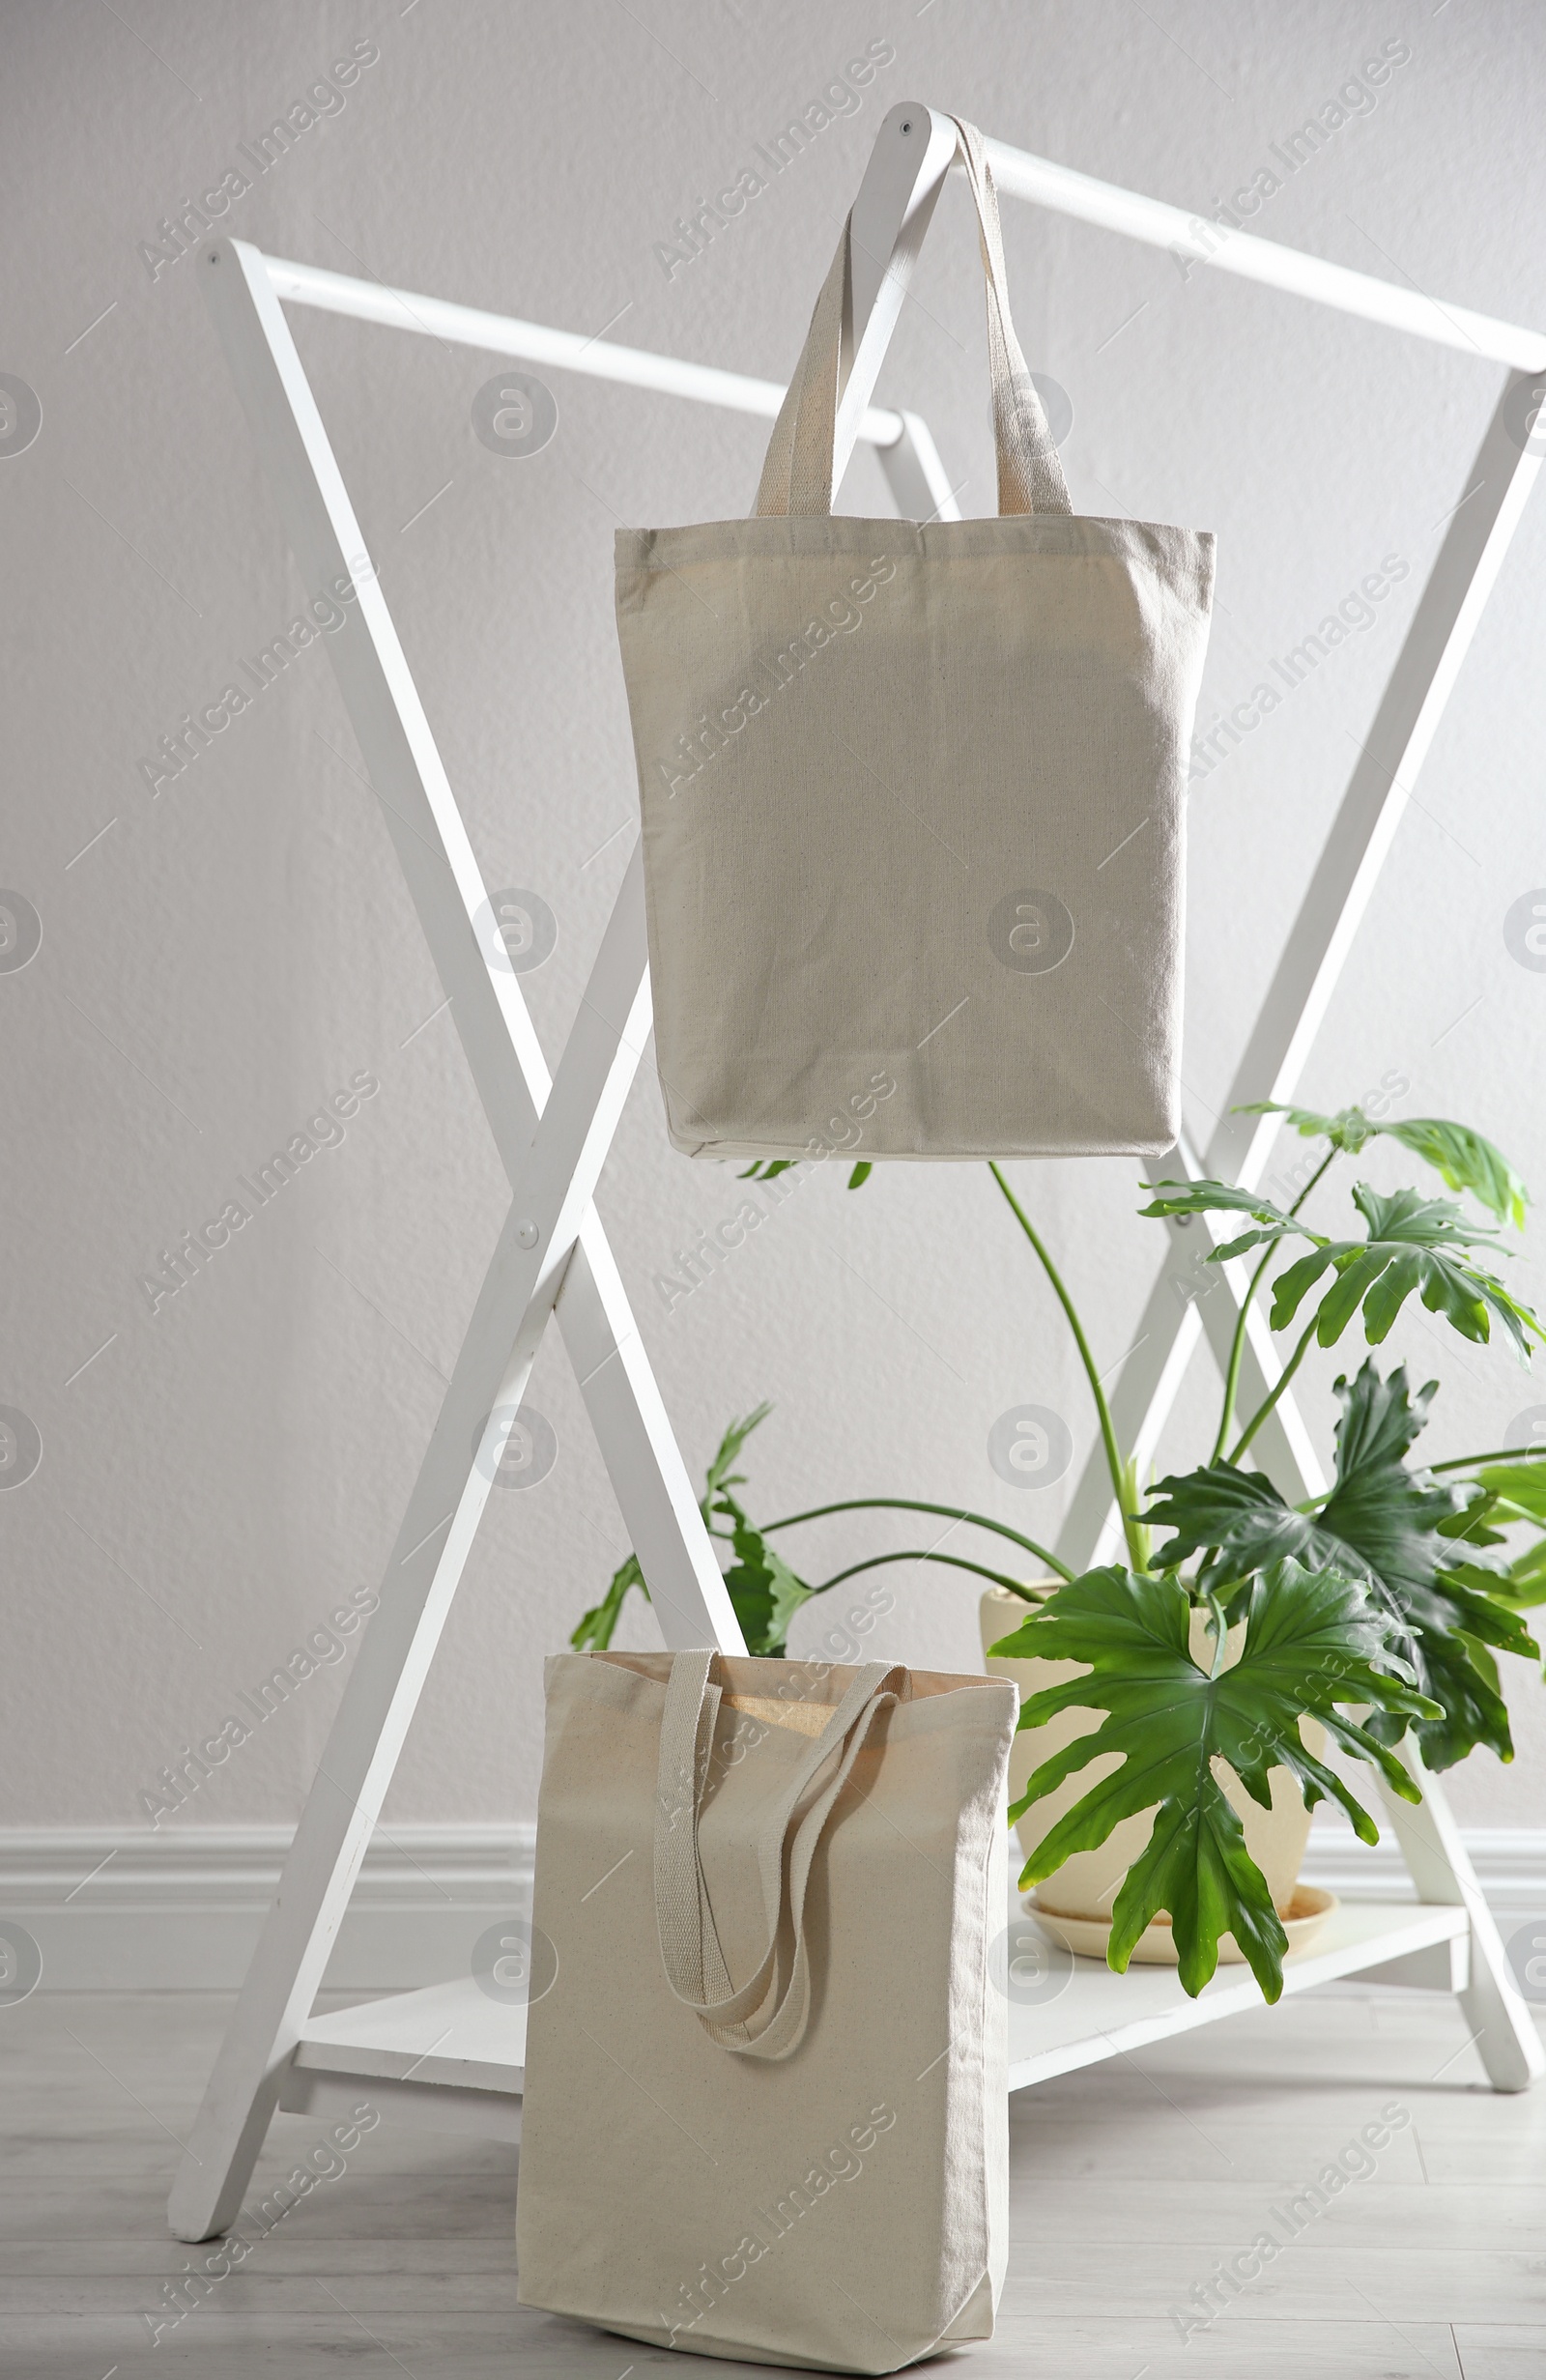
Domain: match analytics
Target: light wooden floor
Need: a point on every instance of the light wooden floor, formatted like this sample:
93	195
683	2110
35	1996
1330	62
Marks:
1130	2182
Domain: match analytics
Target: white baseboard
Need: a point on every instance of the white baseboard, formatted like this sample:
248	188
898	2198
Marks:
130	1909
179	1910
1510	1863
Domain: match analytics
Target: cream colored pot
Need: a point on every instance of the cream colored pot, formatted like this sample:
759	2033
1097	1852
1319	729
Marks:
1085	1886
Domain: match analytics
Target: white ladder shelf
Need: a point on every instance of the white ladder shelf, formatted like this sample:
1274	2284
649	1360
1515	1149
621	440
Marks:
448	2055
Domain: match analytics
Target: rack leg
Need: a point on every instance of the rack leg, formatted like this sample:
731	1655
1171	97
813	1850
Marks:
916	475
363	1748
1465	569
1504	2033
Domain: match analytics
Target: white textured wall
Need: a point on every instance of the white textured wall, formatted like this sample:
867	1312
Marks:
219	958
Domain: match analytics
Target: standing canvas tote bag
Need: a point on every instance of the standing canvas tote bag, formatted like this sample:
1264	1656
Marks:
766	2094
913	797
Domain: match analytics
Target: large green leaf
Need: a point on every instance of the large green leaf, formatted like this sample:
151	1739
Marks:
1463	1159
1377	1521
1517	1490
1466	1161
1524	1582
1390	1516
1398	1523
1312	1642
1383	1524
1209	1197
1347	1130
1237	1515
1473	1520
1413	1244
1462	1677
1505	1496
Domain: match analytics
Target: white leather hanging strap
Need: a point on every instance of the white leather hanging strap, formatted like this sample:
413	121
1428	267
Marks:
760	2018
798	472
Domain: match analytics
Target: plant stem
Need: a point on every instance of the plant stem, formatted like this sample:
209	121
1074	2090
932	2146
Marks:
1270	1400
1235	1356
1108	1437
956	1562
908	1504
1220	1632
1238	1345
1502	1454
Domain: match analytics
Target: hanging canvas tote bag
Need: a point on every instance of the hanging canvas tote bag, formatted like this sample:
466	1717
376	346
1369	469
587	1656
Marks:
913	797
766	2111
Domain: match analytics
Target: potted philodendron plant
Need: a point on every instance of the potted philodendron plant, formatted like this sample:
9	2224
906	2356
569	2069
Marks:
1202	1674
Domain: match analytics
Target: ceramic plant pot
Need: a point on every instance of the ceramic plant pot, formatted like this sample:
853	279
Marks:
1082	1890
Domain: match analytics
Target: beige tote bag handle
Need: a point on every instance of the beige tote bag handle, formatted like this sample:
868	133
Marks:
743	2020
797	474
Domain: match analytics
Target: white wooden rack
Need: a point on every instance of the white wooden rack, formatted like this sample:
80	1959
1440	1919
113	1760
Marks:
449	2055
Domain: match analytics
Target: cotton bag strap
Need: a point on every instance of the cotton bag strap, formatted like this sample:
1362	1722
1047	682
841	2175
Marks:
757	2019
797	474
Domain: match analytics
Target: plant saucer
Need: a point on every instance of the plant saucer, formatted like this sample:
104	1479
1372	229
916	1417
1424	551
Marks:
1089	1936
